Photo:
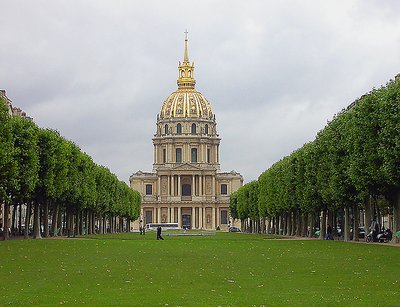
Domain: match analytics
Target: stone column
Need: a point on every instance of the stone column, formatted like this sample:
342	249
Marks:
213	218
200	217
159	215
200	185
193	218
173	185
193	186
172	215
179	185
213	187
169	186
168	215
179	217
217	212
159	186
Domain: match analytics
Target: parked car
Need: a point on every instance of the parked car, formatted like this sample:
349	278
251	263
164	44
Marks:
234	229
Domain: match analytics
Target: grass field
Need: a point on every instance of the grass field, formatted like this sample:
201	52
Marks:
228	269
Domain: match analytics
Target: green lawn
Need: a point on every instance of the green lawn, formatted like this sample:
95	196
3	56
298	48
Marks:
228	269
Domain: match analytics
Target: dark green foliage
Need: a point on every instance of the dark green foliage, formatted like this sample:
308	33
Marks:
39	167
355	157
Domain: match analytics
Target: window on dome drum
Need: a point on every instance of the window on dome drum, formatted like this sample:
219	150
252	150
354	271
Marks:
149	189
206	129
164	154
166	129
178	153
224	217
194	155
178	129
224	189
208	155
189	73
193	128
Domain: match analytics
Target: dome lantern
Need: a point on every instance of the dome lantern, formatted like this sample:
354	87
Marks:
186	70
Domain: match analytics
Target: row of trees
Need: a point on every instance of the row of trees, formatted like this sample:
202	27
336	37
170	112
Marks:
40	171
353	165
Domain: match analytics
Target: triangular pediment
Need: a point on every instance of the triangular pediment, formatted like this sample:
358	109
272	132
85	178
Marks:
186	167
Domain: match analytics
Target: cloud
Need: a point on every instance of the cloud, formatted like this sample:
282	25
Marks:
274	72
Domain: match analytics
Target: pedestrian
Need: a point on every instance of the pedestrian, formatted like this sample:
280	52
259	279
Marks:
159	237
140	229
329	235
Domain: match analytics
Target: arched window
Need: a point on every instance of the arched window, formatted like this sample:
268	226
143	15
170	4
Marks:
182	73
193	128
189	73
206	129
178	129
166	129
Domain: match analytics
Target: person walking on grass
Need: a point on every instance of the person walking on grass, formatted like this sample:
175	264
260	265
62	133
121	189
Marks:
329	235
159	237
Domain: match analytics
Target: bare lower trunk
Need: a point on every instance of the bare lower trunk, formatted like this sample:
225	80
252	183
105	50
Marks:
27	220
305	225
368	213
6	221
346	234
322	223
14	220
396	217
36	221
356	222
54	222
46	220
311	225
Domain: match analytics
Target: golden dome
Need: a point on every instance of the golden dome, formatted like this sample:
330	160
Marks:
186	101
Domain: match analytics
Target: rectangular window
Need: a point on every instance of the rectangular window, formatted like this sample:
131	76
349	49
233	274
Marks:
208	155
224	189
194	155
224	217
178	153
164	154
149	189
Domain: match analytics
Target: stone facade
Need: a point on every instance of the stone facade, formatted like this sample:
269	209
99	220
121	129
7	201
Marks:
186	185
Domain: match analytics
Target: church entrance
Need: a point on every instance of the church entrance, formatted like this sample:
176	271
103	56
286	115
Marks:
186	221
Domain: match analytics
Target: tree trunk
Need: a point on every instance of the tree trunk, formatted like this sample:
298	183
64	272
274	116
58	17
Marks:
54	222
368	214
310	225
346	234
14	220
6	221
289	223
298	224
46	219
20	220
396	217
36	221
304	231
322	225
356	223
27	220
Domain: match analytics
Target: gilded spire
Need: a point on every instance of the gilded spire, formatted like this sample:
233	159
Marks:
185	77
186	56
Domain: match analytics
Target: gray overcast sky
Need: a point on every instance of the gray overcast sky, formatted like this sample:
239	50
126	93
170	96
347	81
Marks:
273	71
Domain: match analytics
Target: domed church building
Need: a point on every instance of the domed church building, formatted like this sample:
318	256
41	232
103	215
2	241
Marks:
186	185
